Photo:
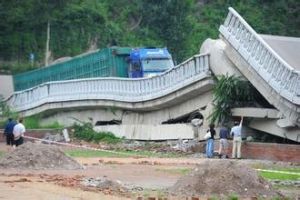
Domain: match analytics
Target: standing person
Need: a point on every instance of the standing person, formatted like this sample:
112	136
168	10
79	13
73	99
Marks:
8	131
236	132
19	131
210	141
224	133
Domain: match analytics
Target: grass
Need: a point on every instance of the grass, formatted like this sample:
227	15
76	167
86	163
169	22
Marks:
279	176
276	175
233	197
277	168
295	170
180	171
2	154
118	154
146	193
54	125
90	154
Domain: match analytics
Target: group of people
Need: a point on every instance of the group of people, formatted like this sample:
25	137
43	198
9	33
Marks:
14	132
235	133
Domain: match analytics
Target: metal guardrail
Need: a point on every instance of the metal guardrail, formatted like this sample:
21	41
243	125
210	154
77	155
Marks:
262	58
117	89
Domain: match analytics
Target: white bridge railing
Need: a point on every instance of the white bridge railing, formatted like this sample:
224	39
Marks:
117	89
267	63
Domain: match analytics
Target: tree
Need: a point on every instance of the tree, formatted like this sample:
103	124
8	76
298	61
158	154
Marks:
230	92
76	25
173	22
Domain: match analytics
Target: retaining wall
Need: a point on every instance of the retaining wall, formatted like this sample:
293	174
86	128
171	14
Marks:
267	151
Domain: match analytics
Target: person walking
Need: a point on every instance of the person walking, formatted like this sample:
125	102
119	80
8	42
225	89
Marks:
19	130
236	133
8	132
210	141
223	145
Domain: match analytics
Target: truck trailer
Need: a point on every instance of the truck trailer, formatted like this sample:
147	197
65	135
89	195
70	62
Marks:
108	62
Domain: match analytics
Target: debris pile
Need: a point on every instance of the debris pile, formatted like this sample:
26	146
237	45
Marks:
38	156
54	138
103	183
223	178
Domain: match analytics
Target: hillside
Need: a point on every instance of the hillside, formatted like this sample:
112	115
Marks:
76	26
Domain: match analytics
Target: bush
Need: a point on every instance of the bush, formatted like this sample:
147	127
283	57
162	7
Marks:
85	131
54	125
230	92
33	122
2	124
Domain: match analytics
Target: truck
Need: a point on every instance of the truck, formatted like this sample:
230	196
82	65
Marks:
148	62
108	62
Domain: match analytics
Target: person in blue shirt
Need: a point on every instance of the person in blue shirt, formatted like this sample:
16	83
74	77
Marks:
8	131
236	133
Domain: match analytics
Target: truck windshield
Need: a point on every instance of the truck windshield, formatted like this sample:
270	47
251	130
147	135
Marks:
157	64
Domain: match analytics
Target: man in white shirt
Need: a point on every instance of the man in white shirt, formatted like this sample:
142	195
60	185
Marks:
236	132
19	130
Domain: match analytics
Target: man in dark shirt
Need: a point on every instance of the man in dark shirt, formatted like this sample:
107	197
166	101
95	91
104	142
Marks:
8	132
224	133
210	141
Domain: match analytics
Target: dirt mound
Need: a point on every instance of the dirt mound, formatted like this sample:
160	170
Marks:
223	178
38	156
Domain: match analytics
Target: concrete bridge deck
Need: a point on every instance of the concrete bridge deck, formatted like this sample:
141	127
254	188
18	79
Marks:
288	48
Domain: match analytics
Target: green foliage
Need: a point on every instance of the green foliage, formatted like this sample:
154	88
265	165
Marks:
2	123
2	153
6	112
85	131
34	122
54	125
233	197
230	92
173	22
75	25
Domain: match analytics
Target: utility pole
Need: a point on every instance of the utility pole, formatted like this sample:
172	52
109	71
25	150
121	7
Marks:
47	44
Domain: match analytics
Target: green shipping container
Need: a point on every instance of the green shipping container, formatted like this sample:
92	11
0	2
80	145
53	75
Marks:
108	62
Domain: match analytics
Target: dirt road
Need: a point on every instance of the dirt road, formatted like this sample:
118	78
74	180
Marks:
15	188
41	184
143	176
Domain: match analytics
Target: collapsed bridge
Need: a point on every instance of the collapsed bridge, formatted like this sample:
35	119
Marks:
143	105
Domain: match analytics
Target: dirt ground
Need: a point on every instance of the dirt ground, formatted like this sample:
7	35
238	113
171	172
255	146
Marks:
132	178
14	187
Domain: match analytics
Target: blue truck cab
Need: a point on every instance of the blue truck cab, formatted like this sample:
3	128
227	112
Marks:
148	62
